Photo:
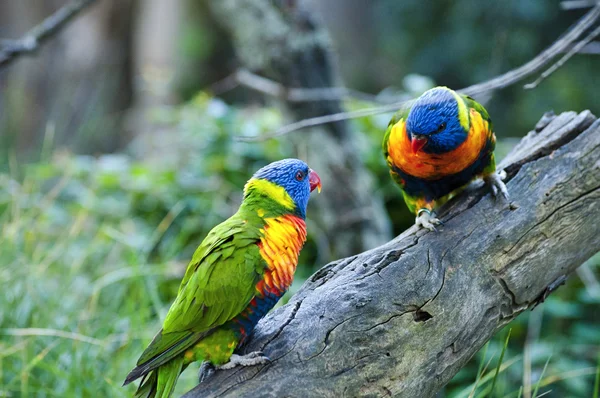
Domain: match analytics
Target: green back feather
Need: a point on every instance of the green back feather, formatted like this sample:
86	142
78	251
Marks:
472	104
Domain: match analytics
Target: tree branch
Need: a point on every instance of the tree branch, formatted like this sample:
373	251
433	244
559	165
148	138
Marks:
562	45
574	50
577	4
591	48
403	318
243	77
31	42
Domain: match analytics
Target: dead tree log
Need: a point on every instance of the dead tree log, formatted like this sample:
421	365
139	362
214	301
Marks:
402	319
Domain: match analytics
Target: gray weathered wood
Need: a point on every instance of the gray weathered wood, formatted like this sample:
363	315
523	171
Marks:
402	319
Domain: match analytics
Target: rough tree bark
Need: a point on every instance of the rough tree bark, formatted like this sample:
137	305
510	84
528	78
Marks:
282	40
402	319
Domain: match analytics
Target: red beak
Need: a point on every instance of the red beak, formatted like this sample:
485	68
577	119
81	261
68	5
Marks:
314	180
417	143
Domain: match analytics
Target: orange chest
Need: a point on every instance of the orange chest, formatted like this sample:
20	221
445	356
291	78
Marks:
283	238
434	166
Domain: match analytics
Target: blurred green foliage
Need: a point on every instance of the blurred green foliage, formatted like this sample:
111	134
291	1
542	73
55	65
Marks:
93	249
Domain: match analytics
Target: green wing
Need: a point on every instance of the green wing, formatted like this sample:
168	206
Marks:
471	103
220	280
219	283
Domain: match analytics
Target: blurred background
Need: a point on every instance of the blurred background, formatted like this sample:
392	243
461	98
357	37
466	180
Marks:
117	156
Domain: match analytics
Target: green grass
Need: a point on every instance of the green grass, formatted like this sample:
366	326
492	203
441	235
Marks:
500	361
597	379
537	385
79	299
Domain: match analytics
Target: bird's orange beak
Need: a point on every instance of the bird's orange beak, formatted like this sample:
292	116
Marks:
417	142
314	180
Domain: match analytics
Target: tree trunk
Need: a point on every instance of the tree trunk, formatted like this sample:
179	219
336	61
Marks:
281	40
402	319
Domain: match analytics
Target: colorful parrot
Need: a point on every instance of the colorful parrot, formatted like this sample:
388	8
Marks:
436	147
237	274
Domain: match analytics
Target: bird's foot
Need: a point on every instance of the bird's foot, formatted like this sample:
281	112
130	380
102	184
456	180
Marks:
426	219
251	359
207	369
494	181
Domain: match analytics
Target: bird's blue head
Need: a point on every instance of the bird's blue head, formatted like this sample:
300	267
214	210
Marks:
438	121
289	182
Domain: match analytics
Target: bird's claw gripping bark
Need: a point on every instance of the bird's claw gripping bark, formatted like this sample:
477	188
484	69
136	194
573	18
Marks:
427	219
207	369
494	181
251	359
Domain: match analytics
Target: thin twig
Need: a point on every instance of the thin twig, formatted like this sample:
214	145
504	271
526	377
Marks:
558	47
576	48
591	48
243	77
32	40
316	121
577	4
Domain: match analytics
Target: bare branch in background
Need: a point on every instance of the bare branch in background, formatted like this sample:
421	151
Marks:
577	4
576	48
315	121
243	77
591	48
562	45
32	40
542	59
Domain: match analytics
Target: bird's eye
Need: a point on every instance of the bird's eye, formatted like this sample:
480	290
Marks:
441	127
299	175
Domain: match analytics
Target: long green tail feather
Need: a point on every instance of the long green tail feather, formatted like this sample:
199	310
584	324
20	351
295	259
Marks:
160	383
167	377
147	388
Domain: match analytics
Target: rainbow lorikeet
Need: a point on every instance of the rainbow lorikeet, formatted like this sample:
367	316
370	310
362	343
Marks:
237	274
437	146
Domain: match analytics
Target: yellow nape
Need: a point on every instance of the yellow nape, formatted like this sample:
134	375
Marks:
274	191
463	112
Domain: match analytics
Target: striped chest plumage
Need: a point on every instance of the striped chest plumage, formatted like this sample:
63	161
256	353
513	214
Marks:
283	237
280	245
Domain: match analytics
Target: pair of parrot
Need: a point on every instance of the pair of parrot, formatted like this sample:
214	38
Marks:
245	264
